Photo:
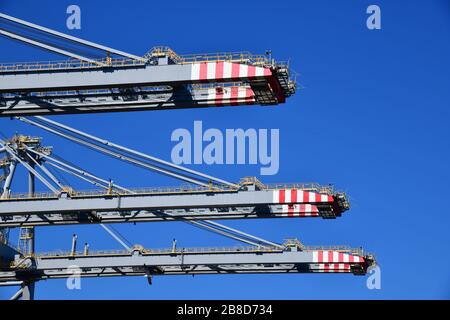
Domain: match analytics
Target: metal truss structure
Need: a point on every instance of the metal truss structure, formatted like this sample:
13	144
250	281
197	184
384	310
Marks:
161	79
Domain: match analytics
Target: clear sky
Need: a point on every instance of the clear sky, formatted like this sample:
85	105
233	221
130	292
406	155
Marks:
372	117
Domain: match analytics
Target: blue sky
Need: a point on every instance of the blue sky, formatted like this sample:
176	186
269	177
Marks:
372	117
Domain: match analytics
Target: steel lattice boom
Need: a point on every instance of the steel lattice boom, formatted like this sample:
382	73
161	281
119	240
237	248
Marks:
103	79
161	79
292	258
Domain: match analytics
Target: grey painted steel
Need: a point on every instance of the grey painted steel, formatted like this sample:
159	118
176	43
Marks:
115	237
29	168
48	105
115	154
8	180
48	47
136	202
44	169
17	295
260	240
136	153
71	38
157	215
91	79
265	260
82	174
208	227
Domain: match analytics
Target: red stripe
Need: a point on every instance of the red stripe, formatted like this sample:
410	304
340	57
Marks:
219	70
326	267
281	196
341	257
305	196
294	195
319	256
234	96
290	210
318	197
249	94
330	256
251	72
267	72
350	258
203	71
235	71
330	199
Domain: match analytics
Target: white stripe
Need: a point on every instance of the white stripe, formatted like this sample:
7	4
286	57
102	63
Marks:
324	198
315	256
211	70
325	256
227	93
195	71
300	196
243	71
346	257
259	72
227	70
276	196
211	95
287	196
242	93
312	197
335	256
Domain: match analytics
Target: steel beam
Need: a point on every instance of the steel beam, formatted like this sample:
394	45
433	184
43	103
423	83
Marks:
161	215
140	261
141	101
177	199
70	38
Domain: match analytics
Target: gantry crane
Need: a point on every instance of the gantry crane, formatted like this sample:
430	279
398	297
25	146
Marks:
161	79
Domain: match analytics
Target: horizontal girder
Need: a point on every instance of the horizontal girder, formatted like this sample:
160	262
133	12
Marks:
287	201
292	259
23	93
210	213
133	99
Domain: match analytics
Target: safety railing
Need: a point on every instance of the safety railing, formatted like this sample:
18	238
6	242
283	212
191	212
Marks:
238	57
314	187
196	250
67	65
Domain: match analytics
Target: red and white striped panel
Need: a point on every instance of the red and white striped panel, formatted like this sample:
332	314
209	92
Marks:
221	70
299	210
333	267
230	96
299	196
329	256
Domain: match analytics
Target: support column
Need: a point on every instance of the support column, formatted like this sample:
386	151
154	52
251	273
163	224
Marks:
28	290
28	240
